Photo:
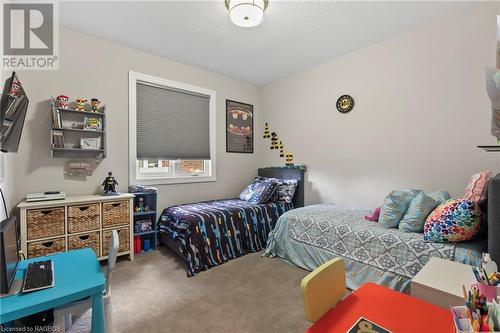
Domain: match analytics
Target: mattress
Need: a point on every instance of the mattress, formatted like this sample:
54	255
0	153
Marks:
309	236
213	232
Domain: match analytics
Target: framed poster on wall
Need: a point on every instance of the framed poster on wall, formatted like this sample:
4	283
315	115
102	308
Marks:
239	127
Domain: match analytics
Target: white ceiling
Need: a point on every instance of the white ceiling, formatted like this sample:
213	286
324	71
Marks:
294	36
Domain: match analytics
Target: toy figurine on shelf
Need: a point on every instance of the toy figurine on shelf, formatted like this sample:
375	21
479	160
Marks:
289	160
267	135
109	184
80	104
140	205
16	87
62	101
94	104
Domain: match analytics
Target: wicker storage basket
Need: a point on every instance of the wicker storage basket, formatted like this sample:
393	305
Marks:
91	240
43	248
115	213
123	236
83	218
45	222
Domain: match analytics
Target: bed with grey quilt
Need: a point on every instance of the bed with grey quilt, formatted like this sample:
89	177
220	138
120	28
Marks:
309	236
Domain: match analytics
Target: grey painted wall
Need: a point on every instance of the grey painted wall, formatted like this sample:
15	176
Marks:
91	67
421	109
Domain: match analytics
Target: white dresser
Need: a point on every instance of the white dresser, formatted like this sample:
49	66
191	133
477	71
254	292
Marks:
77	222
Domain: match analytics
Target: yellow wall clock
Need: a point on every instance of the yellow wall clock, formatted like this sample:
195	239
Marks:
345	103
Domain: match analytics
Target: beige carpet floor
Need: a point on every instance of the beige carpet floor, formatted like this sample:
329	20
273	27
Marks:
248	294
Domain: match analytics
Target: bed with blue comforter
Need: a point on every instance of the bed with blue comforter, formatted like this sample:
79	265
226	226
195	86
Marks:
309	236
207	234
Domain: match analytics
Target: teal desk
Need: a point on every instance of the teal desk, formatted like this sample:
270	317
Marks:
77	275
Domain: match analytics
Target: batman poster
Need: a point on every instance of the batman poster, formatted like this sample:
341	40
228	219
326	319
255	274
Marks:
239	127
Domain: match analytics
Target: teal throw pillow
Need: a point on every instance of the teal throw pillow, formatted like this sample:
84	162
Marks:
395	206
440	196
416	214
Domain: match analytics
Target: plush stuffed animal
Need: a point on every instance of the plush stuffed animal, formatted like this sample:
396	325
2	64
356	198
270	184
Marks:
375	216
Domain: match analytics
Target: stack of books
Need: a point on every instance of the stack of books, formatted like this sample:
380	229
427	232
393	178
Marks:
10	114
56	118
58	139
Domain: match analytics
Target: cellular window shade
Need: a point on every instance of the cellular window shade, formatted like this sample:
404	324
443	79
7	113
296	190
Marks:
172	124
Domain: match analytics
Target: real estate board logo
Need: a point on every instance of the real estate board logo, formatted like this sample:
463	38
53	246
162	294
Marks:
30	35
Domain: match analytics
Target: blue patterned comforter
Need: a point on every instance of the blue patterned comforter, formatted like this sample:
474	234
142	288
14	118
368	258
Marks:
211	233
309	236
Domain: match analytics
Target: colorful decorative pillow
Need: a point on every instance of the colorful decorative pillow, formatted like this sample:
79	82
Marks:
440	196
418	211
259	191
395	206
456	220
285	190
477	189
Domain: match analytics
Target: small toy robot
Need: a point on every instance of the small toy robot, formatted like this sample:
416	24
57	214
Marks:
94	104
80	104
109	184
62	101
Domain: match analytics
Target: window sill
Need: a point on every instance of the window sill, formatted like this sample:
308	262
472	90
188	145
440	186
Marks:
175	180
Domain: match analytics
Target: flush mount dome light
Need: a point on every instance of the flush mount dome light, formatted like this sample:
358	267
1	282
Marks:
246	13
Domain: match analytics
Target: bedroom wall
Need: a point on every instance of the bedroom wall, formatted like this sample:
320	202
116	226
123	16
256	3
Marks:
421	109
92	67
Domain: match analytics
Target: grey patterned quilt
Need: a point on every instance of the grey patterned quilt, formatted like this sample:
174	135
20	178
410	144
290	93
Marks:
348	234
311	235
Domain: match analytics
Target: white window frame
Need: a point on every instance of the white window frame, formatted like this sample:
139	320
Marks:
134	177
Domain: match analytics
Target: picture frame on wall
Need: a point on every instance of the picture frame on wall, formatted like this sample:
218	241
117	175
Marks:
90	143
239	127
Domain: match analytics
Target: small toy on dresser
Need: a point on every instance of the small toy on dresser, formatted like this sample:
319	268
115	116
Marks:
109	184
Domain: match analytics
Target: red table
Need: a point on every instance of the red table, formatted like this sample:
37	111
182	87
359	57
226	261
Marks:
390	309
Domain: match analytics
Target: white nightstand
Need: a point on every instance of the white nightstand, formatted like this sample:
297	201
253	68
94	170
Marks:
440	282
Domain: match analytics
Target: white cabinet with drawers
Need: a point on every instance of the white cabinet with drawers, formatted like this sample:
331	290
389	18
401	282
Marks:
77	222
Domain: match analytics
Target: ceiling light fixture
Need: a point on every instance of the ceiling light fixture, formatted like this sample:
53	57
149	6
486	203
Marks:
246	13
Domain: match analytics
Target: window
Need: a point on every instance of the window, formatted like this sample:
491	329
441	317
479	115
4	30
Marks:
171	131
151	169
